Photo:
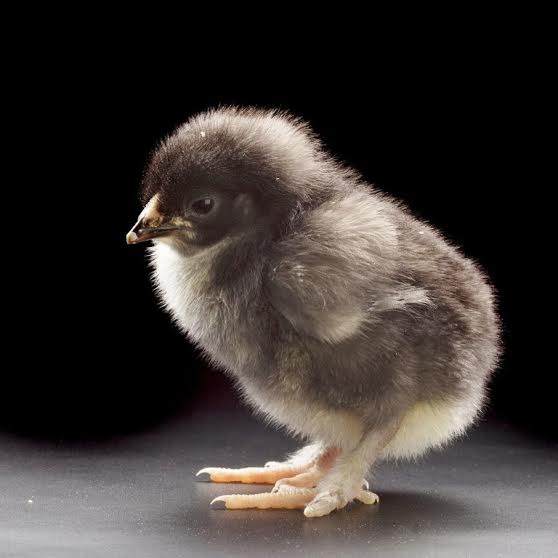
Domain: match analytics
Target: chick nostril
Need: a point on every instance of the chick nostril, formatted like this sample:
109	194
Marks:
150	222
138	226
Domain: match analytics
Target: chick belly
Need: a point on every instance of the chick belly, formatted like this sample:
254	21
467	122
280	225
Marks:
432	424
333	427
425	425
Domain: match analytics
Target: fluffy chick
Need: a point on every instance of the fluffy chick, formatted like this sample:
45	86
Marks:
341	316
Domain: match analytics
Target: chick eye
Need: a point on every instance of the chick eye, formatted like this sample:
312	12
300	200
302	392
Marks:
203	206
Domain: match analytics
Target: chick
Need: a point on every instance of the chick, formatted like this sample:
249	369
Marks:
341	316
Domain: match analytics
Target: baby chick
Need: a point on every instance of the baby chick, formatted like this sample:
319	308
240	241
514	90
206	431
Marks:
341	316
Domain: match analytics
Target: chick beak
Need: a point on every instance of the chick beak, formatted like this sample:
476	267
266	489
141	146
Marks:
141	233
151	224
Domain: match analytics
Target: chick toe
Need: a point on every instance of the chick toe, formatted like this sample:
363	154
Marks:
249	475
267	500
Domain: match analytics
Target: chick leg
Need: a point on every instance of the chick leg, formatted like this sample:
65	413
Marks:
343	482
306	455
299	462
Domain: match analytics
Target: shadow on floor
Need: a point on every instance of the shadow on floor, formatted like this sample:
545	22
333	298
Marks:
400	517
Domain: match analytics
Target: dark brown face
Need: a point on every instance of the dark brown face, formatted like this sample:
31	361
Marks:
202	186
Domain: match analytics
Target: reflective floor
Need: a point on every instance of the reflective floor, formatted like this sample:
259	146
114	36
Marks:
493	494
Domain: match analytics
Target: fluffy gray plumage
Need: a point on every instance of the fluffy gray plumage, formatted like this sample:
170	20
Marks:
338	312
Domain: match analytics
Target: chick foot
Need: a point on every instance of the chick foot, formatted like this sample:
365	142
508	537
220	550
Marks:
295	486
289	497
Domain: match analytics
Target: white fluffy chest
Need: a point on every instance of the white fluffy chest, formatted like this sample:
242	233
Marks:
205	313
181	284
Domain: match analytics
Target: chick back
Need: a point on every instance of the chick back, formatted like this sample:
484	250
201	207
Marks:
420	323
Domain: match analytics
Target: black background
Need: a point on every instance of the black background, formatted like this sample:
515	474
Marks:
454	132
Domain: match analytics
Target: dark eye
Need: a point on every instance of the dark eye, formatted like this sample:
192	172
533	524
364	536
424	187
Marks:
203	206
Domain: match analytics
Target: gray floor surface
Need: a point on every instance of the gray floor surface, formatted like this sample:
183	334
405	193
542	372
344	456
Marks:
492	494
